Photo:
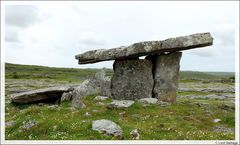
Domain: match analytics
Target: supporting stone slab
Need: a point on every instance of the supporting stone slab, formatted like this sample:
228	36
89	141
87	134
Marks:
132	79
166	73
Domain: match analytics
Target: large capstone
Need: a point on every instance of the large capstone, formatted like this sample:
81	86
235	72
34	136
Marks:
146	48
132	79
166	72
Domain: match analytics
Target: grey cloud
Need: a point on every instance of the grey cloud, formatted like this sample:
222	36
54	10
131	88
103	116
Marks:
21	15
11	34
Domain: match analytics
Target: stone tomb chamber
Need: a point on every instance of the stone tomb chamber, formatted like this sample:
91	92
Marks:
156	76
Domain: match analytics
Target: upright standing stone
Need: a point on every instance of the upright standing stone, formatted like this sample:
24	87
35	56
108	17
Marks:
132	79
166	74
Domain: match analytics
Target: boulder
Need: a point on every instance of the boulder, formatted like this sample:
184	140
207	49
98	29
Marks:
66	96
107	127
120	104
166	73
41	95
147	48
91	86
132	79
101	98
148	100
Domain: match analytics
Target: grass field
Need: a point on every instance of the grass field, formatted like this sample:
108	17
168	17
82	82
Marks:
188	119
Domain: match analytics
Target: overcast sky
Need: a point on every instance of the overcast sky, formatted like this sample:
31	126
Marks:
51	34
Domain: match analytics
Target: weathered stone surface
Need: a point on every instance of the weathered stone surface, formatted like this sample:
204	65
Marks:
47	94
10	123
216	120
94	85
223	129
66	96
120	104
135	134
146	48
101	98
107	127
165	75
132	79
28	124
148	100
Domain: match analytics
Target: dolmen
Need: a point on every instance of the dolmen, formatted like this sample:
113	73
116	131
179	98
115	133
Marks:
156	76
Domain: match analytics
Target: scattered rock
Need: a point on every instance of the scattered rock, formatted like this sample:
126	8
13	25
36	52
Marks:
29	124
135	134
216	120
217	90
119	104
199	104
66	96
148	100
9	123
107	127
223	129
88	87
87	114
144	118
226	107
100	104
44	95
163	104
122	113
101	98
54	107
132	79
208	113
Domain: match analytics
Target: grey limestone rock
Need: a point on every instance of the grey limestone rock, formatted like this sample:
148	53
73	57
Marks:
107	127
147	48
52	93
166	73
148	100
120	104
91	86
132	79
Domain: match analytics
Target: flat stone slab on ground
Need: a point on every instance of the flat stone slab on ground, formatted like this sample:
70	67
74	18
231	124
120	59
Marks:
119	104
146	48
107	127
101	98
148	100
39	95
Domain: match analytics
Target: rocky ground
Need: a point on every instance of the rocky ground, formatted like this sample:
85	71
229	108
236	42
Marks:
203	111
